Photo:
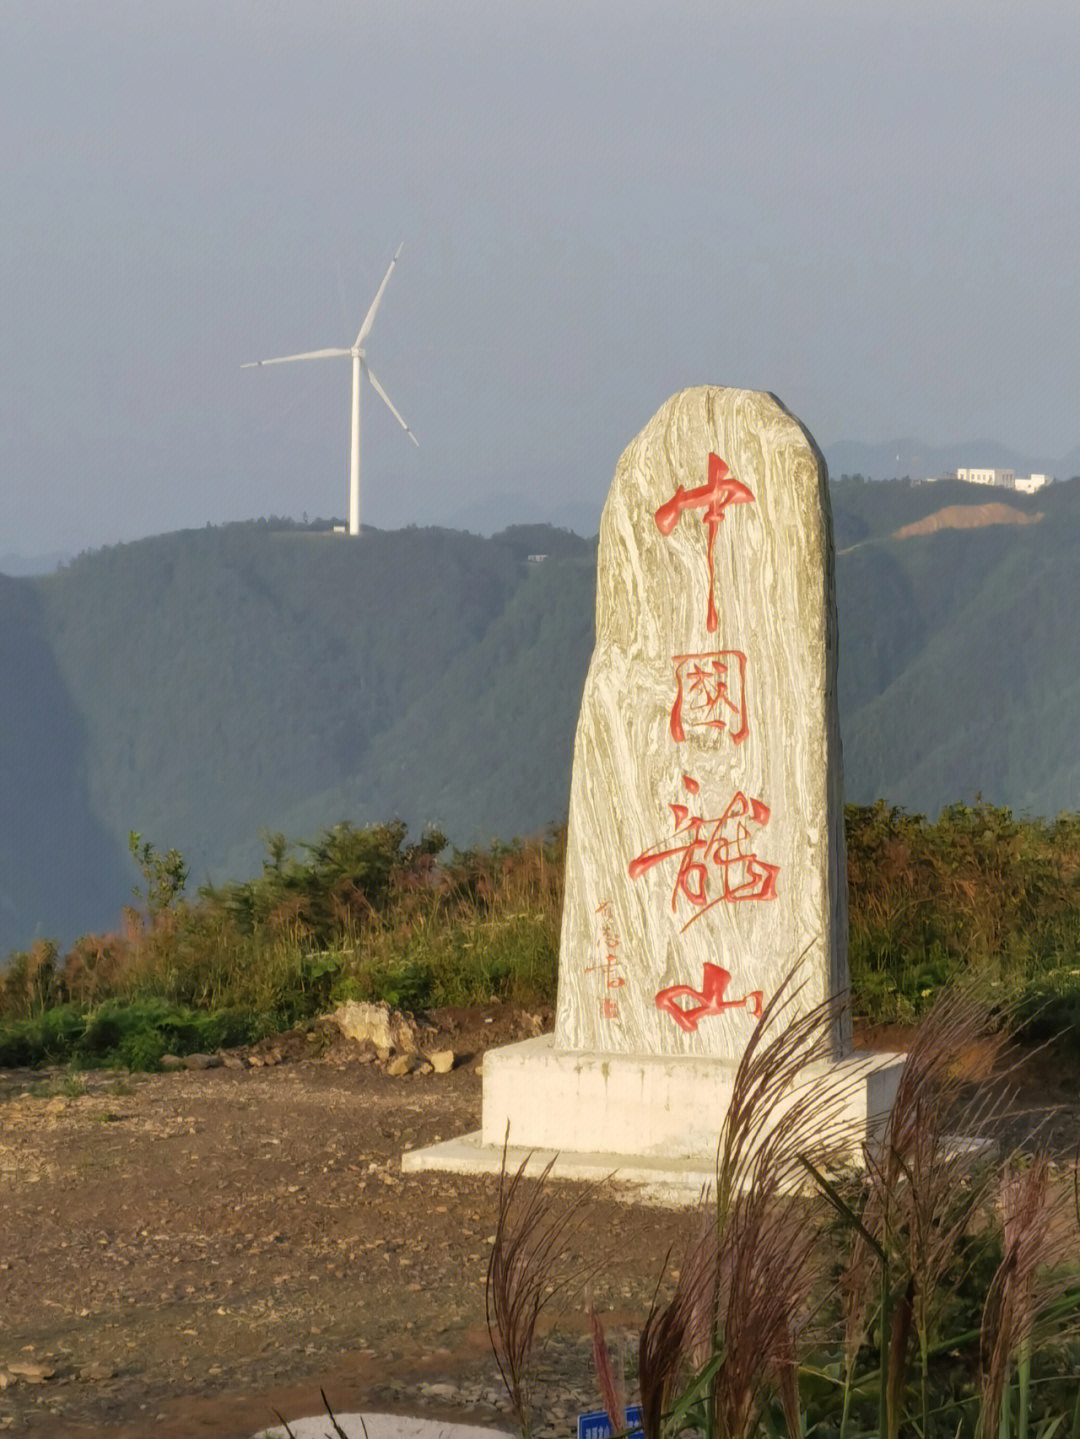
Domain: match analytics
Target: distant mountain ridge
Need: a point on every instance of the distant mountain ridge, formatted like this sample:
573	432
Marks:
17	564
207	686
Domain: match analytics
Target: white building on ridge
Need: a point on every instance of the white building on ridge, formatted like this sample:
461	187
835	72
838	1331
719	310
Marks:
1001	479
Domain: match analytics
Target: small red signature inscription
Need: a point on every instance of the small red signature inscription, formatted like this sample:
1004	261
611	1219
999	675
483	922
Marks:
710	999
721	489
714	848
609	945
710	693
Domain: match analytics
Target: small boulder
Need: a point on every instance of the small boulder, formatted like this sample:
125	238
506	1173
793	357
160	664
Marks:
202	1061
97	1371
32	1371
171	1062
386	1028
441	1060
401	1064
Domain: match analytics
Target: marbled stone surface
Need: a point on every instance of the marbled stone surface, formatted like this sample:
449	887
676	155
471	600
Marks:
706	810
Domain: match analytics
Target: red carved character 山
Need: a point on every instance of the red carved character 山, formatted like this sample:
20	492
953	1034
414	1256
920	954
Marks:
710	999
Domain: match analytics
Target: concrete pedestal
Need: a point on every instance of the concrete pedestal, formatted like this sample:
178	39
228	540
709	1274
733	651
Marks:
651	1120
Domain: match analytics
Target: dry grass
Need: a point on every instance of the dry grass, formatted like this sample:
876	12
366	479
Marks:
527	1273
765	1284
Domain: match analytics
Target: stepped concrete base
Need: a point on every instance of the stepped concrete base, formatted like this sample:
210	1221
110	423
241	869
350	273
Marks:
669	1182
652	1121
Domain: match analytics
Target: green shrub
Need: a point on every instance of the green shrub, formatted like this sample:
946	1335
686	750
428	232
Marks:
126	1034
365	914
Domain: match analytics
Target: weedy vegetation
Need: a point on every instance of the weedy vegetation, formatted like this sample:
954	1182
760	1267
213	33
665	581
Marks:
932	1289
358	914
370	914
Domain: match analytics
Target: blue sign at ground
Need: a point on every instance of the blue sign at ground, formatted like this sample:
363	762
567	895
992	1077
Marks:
598	1426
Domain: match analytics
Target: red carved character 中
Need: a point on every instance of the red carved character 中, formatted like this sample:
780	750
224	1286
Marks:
722	489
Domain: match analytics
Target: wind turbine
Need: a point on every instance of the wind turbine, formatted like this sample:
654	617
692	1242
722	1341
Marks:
360	367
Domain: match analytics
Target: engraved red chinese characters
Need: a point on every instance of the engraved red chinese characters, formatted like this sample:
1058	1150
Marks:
710	693
722	845
710	999
722	489
609	945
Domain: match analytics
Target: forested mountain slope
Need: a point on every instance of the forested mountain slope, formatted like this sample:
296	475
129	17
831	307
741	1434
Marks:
960	651
209	686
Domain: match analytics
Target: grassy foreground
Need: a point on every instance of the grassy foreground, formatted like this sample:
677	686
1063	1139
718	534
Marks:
930	1288
366	914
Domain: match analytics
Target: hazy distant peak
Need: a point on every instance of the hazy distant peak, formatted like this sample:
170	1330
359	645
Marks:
16	564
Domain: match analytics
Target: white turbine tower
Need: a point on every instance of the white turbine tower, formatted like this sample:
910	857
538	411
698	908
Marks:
360	367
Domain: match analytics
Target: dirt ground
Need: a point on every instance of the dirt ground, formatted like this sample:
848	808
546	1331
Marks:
189	1252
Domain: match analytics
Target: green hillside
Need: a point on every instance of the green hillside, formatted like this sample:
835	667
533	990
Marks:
58	862
960	655
207	687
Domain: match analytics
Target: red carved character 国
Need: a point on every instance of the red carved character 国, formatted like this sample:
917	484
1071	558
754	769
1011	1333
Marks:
710	693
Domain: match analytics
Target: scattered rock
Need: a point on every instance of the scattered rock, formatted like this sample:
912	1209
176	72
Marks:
171	1062
441	1060
31	1370
255	1061
231	1061
4	1380
98	1370
386	1028
202	1061
401	1064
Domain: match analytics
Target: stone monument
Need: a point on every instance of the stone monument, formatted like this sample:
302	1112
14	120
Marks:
705	854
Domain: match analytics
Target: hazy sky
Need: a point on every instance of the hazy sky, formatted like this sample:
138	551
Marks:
870	209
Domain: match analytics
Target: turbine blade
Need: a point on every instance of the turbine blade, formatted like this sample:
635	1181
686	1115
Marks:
386	401
284	359
370	316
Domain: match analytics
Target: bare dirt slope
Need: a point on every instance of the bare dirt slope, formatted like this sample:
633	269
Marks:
968	517
188	1252
220	1244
